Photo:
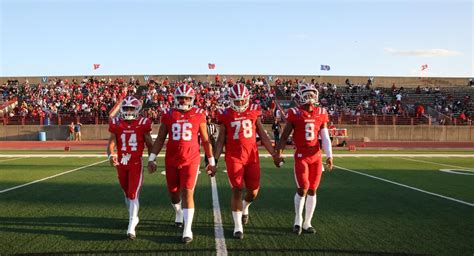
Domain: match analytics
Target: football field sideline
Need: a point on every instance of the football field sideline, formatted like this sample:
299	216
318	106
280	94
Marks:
40	155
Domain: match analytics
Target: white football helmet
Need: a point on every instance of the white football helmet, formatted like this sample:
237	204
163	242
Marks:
130	108
307	94
184	90
239	92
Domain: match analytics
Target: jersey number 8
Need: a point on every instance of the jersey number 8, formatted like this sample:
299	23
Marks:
309	129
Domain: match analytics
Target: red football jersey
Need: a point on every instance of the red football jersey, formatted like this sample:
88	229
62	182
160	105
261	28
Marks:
306	125
183	128
130	137
241	129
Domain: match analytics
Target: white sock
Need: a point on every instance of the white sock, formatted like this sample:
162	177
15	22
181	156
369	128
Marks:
237	221
309	210
133	215
299	204
245	207
127	204
188	214
133	208
179	212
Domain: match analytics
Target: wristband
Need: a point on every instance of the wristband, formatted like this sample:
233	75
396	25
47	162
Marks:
212	161
109	156
152	157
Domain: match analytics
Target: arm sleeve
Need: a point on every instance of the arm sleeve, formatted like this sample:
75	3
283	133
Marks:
327	147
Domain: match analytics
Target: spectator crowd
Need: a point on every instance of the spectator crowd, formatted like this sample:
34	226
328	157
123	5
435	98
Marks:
92	98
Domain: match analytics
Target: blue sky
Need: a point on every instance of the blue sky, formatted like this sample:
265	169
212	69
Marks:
374	38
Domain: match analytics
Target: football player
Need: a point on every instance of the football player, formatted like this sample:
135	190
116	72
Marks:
239	125
129	133
307	121
181	124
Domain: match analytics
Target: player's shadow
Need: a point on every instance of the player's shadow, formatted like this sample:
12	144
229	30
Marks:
84	228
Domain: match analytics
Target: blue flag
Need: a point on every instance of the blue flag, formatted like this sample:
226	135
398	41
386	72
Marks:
325	67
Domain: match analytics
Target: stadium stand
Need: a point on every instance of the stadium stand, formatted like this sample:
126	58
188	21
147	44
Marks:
90	100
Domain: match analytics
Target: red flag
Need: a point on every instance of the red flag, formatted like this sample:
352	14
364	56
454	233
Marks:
211	65
424	66
96	66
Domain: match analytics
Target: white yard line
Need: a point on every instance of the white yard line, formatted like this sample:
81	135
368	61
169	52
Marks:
428	162
406	186
50	177
263	155
12	159
221	248
404	155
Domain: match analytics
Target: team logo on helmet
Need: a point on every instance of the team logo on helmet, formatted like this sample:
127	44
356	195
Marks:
307	94
130	108
239	92
184	91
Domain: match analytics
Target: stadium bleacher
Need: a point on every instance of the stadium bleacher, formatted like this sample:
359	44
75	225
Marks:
90	100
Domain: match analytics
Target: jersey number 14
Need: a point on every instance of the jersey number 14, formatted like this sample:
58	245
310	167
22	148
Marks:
132	142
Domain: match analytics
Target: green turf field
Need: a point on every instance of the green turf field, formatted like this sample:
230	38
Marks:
288	150
82	212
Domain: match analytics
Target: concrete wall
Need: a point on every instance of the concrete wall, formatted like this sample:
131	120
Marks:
372	132
406	132
54	132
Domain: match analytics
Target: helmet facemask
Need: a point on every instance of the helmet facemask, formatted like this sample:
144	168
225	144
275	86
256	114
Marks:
130	108
129	113
242	107
310	96
185	106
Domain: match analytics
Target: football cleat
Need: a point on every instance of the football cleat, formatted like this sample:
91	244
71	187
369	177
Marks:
297	230
309	230
239	235
245	219
187	240
178	224
131	228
